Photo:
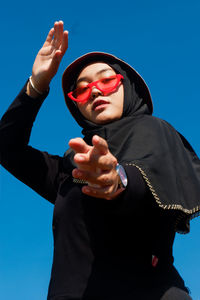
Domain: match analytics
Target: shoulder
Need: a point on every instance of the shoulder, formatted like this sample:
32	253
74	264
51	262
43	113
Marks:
155	121
154	125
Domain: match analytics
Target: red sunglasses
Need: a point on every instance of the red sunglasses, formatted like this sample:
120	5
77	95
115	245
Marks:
105	85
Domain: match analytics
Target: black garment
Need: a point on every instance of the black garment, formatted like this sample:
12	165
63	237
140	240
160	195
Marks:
164	157
102	249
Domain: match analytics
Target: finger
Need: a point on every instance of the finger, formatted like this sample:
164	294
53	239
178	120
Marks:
64	44
56	61
79	145
55	33
50	36
93	162
58	27
100	145
106	162
60	32
94	159
97	192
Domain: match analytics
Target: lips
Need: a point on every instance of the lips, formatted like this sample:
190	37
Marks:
98	103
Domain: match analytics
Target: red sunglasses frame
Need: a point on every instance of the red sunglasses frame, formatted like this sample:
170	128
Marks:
95	83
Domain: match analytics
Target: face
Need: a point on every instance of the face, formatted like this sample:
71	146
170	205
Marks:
100	109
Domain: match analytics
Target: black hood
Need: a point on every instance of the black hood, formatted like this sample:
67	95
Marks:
137	98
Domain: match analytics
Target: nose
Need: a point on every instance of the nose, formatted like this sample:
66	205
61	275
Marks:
95	92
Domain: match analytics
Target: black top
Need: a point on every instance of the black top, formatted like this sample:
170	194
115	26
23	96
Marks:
117	249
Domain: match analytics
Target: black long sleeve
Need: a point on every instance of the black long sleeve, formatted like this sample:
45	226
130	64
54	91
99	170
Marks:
39	170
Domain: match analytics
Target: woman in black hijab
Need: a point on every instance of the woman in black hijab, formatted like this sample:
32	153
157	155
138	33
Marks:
120	193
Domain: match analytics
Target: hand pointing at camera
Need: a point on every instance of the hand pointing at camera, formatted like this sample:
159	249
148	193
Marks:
97	166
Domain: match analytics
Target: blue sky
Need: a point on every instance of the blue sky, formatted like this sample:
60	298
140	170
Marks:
161	40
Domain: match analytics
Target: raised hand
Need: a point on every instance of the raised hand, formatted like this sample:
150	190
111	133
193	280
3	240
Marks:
49	57
96	165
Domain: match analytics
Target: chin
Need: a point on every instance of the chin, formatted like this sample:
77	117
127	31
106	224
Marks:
105	120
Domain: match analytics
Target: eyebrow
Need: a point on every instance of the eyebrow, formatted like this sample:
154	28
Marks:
98	73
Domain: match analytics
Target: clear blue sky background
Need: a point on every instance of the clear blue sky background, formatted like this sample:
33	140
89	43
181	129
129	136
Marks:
161	40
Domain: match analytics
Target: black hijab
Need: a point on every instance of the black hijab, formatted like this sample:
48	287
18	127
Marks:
167	162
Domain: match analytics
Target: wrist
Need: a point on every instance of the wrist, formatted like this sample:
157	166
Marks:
121	182
39	87
31	92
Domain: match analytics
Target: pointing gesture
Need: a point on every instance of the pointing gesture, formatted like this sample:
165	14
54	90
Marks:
97	166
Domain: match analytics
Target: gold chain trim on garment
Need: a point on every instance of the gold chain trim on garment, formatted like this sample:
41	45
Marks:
80	181
192	213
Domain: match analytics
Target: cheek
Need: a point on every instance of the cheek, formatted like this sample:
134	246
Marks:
120	98
84	109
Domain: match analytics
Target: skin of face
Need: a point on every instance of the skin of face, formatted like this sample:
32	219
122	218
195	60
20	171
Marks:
100	109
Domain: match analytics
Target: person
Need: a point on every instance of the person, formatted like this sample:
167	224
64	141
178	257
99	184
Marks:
120	192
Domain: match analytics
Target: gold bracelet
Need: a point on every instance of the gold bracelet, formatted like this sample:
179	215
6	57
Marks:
32	85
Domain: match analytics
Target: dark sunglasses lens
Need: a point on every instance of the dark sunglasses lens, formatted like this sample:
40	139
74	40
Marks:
108	83
81	93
